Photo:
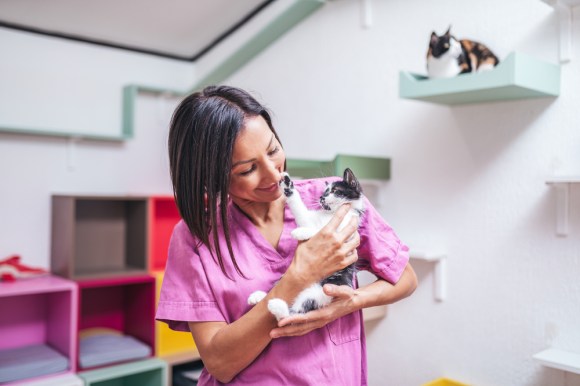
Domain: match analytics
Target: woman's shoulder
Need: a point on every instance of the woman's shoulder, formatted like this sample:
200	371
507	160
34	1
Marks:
313	185
181	234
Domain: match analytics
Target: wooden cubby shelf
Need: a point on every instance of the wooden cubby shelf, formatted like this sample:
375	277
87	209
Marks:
38	321
163	216
122	304
99	236
518	76
559	359
365	168
68	379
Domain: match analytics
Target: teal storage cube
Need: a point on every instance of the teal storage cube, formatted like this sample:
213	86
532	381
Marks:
519	76
149	372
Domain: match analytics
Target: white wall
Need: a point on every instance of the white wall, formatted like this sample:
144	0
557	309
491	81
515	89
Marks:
470	179
68	86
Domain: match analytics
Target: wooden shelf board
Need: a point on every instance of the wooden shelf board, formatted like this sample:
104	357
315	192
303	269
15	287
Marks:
518	76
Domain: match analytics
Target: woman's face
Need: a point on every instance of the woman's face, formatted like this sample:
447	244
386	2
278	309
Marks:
257	163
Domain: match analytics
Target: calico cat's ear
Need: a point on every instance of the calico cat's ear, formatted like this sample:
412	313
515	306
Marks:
448	33
351	180
434	38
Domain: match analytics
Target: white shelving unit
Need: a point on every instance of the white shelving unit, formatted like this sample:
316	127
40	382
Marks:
439	259
564	9
562	186
559	359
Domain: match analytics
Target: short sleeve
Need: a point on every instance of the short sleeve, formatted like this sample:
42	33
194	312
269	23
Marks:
380	251
186	295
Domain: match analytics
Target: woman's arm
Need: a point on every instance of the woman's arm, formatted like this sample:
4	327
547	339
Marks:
347	300
226	349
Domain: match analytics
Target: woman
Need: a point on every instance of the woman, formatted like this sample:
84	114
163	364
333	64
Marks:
226	161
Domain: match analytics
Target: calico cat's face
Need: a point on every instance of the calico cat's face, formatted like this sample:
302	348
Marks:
341	192
440	45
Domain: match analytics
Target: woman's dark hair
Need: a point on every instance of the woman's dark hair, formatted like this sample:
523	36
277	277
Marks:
202	133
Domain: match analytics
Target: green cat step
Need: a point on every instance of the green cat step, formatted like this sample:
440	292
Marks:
518	76
364	168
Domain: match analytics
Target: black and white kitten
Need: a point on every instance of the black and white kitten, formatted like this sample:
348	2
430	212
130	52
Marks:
447	56
309	222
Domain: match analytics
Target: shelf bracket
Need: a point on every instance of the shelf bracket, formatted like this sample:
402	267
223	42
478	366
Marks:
366	14
562	186
71	155
564	12
440	272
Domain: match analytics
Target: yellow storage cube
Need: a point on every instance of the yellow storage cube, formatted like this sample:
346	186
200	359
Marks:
169	342
444	382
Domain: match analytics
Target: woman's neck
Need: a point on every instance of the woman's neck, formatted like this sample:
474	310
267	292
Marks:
262	213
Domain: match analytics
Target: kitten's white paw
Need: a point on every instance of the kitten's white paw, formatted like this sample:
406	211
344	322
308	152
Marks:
255	297
278	308
303	233
287	184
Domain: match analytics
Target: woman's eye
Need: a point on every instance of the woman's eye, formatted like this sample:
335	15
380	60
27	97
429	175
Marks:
248	171
272	152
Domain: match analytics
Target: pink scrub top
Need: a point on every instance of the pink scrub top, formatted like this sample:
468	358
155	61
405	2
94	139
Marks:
195	289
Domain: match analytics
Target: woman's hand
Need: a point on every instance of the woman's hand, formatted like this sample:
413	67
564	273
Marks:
328	251
344	302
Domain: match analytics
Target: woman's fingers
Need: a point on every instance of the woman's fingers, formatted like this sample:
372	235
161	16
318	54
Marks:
347	232
335	221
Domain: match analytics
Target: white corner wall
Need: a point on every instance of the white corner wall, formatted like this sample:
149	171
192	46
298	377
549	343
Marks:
469	179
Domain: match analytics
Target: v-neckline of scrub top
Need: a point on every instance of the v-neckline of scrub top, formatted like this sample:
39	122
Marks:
286	244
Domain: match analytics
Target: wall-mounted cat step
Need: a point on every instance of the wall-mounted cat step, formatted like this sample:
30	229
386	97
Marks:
562	186
518	76
559	359
439	259
365	168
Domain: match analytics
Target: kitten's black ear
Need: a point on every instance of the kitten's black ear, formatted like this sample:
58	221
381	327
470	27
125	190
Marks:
351	180
434	37
448	31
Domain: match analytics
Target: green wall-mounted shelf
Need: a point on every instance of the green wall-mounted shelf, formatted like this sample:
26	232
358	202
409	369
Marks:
365	168
519	76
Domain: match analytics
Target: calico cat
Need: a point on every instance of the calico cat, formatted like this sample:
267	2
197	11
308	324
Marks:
447	56
347	190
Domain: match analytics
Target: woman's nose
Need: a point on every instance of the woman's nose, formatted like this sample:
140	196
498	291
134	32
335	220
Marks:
275	171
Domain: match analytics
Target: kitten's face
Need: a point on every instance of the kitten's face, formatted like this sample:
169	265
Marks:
341	192
440	45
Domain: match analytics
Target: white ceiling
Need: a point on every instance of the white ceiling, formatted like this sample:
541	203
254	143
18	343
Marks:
181	29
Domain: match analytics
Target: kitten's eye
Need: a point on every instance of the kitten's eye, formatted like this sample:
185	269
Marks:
446	45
